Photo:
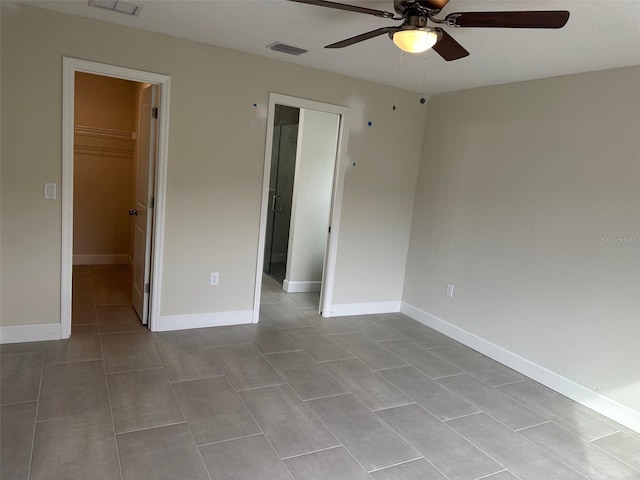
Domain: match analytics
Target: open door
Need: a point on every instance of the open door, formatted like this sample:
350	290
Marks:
143	211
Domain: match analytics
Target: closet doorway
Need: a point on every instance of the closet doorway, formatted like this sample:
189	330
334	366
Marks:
302	195
114	157
113	178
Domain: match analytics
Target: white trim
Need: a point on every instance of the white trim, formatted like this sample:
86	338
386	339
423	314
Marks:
101	259
69	67
567	387
29	333
203	320
300	287
370	308
328	276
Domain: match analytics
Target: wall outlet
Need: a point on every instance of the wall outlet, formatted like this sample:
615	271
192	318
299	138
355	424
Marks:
449	290
214	279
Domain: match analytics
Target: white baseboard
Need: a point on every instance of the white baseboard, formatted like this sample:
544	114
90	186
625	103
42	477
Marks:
300	287
203	320
101	259
567	387
347	309
29	333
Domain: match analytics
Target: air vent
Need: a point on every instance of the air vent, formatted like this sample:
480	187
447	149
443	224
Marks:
288	49
117	6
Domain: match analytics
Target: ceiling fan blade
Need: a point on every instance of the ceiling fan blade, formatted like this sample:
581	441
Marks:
448	48
362	37
349	8
524	19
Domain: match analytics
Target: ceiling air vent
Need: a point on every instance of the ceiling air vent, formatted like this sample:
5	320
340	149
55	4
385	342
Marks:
117	6
288	49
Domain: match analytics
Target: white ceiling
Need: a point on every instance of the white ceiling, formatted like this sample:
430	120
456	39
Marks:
600	34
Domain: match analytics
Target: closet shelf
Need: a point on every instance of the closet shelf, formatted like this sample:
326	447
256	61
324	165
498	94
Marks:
103	141
103	133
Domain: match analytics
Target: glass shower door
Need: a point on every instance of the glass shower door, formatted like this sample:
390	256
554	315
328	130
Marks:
283	163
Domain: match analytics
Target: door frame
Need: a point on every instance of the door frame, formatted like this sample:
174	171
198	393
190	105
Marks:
69	68
328	271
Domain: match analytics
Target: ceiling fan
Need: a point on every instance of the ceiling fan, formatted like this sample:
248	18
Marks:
414	35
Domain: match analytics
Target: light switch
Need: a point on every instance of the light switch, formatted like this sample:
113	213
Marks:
49	191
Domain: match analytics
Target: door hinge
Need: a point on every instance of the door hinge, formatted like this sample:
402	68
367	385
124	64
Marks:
147	288
152	202
329	228
154	112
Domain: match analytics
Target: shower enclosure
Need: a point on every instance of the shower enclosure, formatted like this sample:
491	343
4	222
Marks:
283	162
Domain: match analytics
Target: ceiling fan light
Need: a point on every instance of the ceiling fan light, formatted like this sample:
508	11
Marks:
415	40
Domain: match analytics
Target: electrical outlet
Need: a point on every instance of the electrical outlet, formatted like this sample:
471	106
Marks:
214	279
449	290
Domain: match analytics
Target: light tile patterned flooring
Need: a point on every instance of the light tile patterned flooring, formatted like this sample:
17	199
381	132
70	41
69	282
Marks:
294	397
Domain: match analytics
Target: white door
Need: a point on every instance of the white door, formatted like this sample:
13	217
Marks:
145	180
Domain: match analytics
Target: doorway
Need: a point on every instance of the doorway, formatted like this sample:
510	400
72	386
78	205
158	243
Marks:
114	168
302	193
281	181
117	164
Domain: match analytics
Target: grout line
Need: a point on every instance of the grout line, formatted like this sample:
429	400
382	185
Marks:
397	366
230	345
84	360
137	330
492	474
113	420
453	375
463	416
258	388
232	439
327	427
65	417
151	428
136	370
326	396
273	449
397	406
35	420
421	457
624	462
600	437
335	360
508	383
19	403
186	422
192	379
312	452
531	426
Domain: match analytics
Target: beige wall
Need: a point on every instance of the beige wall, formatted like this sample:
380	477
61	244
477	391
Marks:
523	193
104	102
102	178
216	156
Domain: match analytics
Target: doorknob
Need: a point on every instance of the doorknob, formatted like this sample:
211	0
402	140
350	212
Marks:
133	211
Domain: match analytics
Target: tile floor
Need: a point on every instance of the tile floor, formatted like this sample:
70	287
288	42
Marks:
295	397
